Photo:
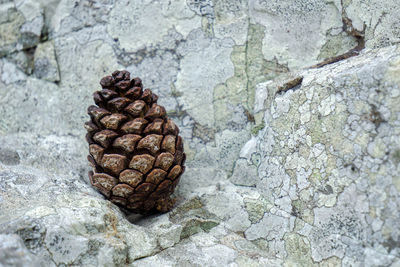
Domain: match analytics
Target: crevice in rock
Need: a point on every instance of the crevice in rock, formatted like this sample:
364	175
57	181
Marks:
159	250
246	67
249	116
352	31
197	225
22	59
375	116
50	253
379	21
293	84
257	128
30	53
44	34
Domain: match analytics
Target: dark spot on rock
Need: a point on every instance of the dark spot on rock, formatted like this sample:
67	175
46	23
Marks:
32	234
250	117
391	244
292	84
375	116
9	157
294	212
396	156
353	167
327	190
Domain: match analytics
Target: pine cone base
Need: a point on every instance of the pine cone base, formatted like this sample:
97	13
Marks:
134	148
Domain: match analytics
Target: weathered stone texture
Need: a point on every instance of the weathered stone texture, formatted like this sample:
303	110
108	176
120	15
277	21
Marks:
286	164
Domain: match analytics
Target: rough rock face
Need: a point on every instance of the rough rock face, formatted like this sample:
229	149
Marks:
286	164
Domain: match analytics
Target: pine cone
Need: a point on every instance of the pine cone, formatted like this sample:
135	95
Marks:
135	150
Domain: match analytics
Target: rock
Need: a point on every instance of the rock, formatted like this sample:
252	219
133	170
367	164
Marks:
9	157
244	174
319	28
11	21
30	32
14	253
10	73
45	63
149	31
21	25
286	164
314	21
23	60
330	138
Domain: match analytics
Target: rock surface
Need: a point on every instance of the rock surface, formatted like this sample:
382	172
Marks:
287	164
45	63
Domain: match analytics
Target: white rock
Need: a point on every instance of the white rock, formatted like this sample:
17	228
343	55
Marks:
14	253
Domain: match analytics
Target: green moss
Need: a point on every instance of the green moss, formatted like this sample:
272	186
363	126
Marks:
316	177
258	128
396	155
208	225
195	226
196	218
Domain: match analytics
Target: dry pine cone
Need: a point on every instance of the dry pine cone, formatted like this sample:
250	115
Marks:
135	150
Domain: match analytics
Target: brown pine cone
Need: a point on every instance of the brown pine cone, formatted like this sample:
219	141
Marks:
135	150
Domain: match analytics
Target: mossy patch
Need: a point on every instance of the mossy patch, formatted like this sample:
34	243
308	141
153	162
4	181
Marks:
298	249
195	226
258	128
256	208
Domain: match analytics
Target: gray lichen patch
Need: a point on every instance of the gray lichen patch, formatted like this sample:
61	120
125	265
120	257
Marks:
9	157
45	63
256	208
